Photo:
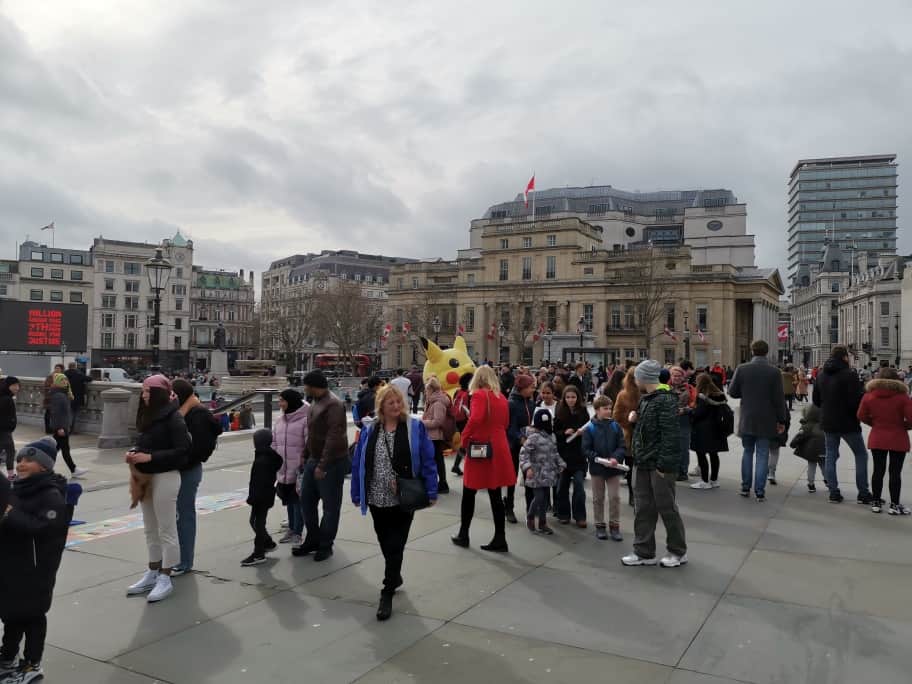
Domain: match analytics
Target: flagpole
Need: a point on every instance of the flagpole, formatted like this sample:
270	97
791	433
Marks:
533	203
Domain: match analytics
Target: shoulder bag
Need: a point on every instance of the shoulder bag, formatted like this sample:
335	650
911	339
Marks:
481	450
411	491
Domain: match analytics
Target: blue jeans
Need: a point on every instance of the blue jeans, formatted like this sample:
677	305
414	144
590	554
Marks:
295	515
186	513
751	474
857	445
564	506
322	533
684	432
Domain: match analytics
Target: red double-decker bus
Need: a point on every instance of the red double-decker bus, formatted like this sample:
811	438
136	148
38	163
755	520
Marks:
359	364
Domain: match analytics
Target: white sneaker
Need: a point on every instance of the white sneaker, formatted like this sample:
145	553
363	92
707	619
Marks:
714	484
162	590
673	561
699	484
147	583
79	473
633	559
694	472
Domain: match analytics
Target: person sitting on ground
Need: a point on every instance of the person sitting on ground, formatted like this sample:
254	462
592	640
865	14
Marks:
656	457
33	531
541	466
604	439
261	494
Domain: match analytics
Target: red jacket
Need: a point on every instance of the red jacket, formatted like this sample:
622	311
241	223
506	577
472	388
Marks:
887	408
488	421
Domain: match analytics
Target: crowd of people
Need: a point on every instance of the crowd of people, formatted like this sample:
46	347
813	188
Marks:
551	428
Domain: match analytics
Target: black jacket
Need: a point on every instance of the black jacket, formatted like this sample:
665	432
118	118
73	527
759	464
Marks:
203	435
838	392
7	410
61	414
167	440
521	412
506	383
706	430
4	492
78	381
401	458
366	403
32	537
266	463
571	452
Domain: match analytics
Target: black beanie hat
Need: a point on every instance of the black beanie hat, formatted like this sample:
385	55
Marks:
262	438
294	399
542	421
315	379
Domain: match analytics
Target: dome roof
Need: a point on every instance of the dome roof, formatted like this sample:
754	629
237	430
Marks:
179	240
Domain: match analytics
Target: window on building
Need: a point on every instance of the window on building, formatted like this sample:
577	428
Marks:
75	275
834	286
504	243
178	304
588	314
551	240
527	268
470	319
57	273
3	290
109	284
399	284
56	295
109	267
551	267
615	316
37	272
178	342
107	340
414	283
552	317
504	269
130	340
470	278
505	317
57	257
885	308
75	297
178	323
131	285
107	320
36	295
669	355
130	320
131	302
132	268
702	317
178	289
628	316
670	316
588	270
597	209
179	272
527	242
76	258
885	336
37	256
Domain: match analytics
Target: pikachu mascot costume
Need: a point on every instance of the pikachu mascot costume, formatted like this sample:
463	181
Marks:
447	365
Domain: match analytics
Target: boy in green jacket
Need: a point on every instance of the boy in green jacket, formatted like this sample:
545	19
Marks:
656	456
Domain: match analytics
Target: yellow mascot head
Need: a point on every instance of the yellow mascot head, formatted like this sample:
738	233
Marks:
447	365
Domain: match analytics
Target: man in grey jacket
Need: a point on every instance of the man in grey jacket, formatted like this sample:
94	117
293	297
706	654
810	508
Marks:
758	384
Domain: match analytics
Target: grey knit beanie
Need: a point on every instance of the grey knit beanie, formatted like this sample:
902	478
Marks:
43	452
647	372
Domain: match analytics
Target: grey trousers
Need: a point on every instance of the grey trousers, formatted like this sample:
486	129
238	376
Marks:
654	496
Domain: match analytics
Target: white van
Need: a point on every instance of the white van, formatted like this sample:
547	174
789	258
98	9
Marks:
109	375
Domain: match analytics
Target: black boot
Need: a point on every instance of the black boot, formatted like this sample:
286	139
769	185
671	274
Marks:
462	538
498	544
510	515
385	609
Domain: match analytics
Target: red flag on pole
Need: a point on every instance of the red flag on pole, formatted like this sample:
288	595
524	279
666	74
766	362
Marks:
702	336
530	187
670	334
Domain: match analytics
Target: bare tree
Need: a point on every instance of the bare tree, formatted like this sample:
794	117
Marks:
522	312
349	320
649	272
293	322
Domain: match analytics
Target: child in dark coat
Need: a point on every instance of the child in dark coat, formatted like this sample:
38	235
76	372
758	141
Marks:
33	531
261	495
810	444
604	439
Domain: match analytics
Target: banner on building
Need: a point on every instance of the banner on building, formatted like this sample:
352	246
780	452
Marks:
783	332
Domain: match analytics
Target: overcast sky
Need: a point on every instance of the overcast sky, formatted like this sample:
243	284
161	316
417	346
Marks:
263	129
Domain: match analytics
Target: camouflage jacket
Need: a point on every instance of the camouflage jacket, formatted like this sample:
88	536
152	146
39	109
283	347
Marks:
656	440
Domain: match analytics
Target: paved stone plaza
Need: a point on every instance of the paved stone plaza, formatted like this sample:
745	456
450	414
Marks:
793	590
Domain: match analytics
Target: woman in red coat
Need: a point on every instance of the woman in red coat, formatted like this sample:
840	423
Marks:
887	408
489	417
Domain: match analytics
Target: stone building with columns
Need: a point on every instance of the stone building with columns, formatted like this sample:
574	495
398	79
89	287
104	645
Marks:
870	310
553	289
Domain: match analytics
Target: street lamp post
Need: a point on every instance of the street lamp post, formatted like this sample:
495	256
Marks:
896	318
581	330
158	269
548	335
436	326
501	331
63	353
686	336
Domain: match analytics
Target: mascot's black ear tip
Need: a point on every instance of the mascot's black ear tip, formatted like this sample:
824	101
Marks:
424	342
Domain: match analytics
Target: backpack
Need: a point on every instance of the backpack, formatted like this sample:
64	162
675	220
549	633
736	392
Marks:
726	418
459	409
449	428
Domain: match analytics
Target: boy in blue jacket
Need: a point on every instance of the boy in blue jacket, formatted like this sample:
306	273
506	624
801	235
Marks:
604	438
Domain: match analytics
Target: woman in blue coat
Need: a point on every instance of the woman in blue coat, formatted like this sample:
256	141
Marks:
393	446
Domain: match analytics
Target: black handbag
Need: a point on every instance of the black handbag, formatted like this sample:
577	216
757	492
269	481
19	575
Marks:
412	493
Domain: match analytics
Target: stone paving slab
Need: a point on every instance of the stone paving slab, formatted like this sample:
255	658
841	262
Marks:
598	611
455	654
852	586
80	570
435	586
686	677
288	637
770	642
357	527
64	666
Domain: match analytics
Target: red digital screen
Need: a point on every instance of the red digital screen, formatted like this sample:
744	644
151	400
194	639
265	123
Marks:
45	327
35	326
